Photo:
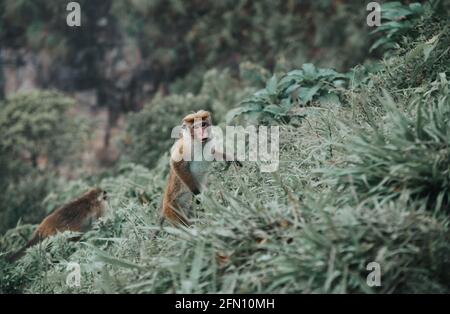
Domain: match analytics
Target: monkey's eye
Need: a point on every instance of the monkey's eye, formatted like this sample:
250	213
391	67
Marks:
202	125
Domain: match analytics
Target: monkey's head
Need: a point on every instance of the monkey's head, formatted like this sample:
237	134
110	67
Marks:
198	124
97	196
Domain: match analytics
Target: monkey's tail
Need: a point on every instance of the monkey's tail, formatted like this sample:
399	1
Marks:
12	258
17	255
163	219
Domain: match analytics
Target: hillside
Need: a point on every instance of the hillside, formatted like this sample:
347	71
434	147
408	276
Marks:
363	177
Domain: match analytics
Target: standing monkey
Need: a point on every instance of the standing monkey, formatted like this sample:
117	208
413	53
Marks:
187	176
77	215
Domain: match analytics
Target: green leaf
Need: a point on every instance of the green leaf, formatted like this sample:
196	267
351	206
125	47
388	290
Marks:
306	94
292	88
275	110
396	14
379	42
330	99
286	103
250	107
271	85
416	7
296	73
105	257
429	47
310	72
328	72
197	265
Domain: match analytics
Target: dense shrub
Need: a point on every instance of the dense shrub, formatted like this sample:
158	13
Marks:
37	127
38	136
282	96
21	200
410	154
364	182
400	21
149	131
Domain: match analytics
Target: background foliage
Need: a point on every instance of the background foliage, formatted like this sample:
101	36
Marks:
38	136
364	154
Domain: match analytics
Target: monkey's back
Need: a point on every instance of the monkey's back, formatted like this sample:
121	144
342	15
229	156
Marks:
76	216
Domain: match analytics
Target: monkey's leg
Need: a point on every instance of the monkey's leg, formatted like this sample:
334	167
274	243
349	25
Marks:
174	214
175	218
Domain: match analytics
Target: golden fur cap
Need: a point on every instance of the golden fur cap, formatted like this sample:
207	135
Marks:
201	114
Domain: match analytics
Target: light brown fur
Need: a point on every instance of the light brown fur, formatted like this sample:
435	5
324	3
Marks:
186	177
76	216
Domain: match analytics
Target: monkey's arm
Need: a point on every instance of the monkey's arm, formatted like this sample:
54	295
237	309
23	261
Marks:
181	167
182	172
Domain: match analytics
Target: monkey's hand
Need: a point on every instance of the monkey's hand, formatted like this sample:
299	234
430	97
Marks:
197	200
237	163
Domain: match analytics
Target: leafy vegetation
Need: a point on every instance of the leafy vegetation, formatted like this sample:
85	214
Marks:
37	123
363	177
303	87
38	134
387	160
398	20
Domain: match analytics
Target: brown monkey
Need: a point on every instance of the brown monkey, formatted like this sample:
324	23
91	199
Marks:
78	216
187	176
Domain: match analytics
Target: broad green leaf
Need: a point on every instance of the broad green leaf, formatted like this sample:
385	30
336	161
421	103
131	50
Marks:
391	5
328	72
292	88
396	14
309	70
244	109
379	42
416	7
275	110
271	85
306	94
286	103
330	99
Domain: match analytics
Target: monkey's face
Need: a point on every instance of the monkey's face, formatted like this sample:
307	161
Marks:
102	199
202	130
102	196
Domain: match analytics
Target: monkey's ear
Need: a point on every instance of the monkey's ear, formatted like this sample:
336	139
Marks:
182	129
